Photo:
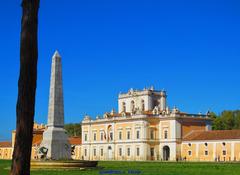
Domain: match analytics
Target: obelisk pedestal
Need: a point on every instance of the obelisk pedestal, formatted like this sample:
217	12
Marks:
55	138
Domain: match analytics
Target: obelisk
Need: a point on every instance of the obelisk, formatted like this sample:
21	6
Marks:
55	138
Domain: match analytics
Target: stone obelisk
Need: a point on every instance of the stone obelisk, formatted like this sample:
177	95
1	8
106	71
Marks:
55	138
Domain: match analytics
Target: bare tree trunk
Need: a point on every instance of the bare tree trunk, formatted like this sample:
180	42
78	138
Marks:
26	88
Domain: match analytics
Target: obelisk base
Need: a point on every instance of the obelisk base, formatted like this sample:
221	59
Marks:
55	140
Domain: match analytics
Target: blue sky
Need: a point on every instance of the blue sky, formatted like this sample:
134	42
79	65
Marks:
189	48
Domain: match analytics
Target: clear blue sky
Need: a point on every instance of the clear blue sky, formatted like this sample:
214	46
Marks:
189	48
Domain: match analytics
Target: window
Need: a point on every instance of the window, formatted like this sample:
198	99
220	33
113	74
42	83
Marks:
224	152
165	134
123	107
120	135
128	152
120	152
111	136
94	152
152	134
156	103
128	135
85	152
94	136
138	134
143	105
132	106
206	153
101	136
152	152
85	137
189	153
101	152
138	151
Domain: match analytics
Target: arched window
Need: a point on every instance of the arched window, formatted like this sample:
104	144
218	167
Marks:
120	151
120	135
132	105
111	136
110	131
143	105
138	134
123	107
85	152
128	135
165	134
94	152
85	137
94	136
138	151
101	151
224	152
189	153
128	152
152	134
206	152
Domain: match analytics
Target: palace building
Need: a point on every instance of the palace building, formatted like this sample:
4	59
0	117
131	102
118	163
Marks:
145	128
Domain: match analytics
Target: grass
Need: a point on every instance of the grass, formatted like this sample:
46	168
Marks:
143	168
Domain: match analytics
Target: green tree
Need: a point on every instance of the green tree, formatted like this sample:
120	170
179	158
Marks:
218	124
214	117
236	119
227	120
73	129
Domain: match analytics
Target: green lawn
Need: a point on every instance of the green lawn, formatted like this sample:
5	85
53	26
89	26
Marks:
148	168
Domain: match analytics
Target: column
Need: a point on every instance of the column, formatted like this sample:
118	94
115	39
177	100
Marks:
232	151
214	151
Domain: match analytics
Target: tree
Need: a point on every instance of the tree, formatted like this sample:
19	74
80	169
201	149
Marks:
73	129
226	120
237	119
26	88
214	117
218	124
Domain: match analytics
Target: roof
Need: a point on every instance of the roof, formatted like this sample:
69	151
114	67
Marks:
37	139
75	140
213	135
5	144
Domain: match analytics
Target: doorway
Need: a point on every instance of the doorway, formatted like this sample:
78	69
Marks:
110	155
166	153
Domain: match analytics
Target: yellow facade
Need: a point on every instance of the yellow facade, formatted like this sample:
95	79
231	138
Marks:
220	150
237	151
6	148
140	137
5	152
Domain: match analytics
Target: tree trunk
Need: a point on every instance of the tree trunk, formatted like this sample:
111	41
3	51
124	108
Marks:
26	88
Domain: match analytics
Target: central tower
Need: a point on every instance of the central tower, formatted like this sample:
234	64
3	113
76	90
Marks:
55	138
